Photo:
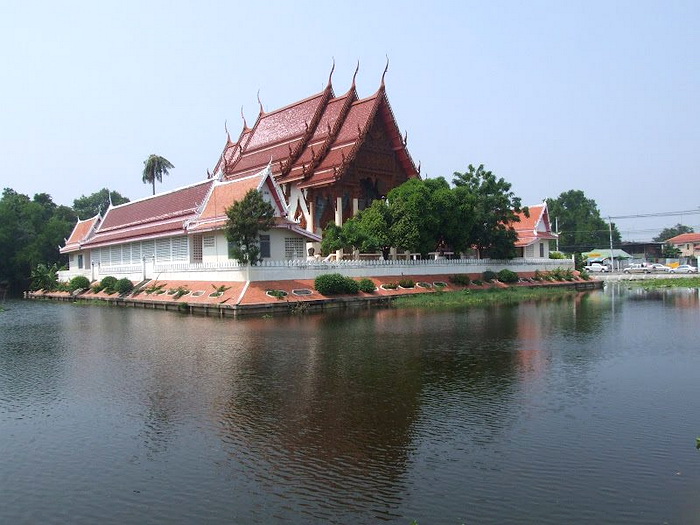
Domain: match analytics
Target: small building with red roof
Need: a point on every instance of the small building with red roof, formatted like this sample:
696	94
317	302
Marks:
534	232
687	243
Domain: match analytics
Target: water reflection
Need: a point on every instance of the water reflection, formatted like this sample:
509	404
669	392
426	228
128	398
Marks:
349	417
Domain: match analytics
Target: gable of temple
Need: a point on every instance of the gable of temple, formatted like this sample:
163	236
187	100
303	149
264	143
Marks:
332	155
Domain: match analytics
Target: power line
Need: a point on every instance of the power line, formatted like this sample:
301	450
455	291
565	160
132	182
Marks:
660	214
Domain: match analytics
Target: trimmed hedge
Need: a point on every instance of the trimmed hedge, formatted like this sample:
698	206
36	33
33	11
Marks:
461	279
366	285
335	284
123	286
507	276
489	276
108	283
78	282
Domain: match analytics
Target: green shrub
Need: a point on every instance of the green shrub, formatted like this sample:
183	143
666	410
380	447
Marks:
489	276
278	294
478	282
407	283
96	287
583	274
335	283
79	282
557	255
108	283
390	286
461	279
123	286
507	276
366	285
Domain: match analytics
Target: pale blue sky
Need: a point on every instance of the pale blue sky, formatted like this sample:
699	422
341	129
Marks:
552	96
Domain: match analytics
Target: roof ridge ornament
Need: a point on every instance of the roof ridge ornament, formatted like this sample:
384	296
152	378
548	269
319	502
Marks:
386	68
228	135
330	76
245	124
262	111
354	76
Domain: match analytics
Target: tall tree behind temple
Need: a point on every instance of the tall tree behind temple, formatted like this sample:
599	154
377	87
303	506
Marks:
154	169
494	209
31	231
579	222
98	202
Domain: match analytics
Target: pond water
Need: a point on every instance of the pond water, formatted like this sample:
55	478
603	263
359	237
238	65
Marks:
576	410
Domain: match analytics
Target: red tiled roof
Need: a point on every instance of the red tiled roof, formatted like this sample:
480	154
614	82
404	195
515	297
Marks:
684	238
80	234
314	139
533	228
157	216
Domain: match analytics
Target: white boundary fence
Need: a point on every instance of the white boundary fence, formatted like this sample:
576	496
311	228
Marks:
303	269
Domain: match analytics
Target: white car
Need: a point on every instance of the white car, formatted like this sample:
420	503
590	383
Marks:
684	268
597	267
637	268
658	267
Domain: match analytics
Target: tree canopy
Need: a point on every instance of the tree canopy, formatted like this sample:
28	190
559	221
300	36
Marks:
98	202
673	231
422	216
494	209
154	169
581	228
246	219
31	231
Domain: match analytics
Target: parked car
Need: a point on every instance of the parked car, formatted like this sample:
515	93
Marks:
637	268
658	267
684	268
597	267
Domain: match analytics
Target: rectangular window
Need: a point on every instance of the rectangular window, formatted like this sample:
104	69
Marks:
148	249
197	248
115	255
293	247
265	246
162	250
80	261
208	241
180	249
135	252
541	249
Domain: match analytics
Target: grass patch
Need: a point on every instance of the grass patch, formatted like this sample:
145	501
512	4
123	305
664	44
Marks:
669	282
480	297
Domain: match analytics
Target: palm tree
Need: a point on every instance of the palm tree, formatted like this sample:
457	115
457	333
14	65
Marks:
154	169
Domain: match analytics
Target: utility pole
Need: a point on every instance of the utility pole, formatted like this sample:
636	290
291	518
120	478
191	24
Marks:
612	258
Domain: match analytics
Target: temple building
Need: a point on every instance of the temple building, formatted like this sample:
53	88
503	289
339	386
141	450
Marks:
332	155
318	160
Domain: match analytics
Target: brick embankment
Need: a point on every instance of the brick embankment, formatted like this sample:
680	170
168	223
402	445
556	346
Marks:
230	299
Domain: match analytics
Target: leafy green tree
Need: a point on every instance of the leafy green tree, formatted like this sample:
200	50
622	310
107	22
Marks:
581	227
670	251
154	169
673	231
246	219
494	208
31	231
98	202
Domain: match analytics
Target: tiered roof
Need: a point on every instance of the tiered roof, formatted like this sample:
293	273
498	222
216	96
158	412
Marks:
313	141
533	227
81	231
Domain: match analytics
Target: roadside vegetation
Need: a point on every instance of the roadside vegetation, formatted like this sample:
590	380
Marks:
446	300
669	282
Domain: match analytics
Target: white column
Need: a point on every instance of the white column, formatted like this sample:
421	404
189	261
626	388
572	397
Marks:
338	222
355	206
